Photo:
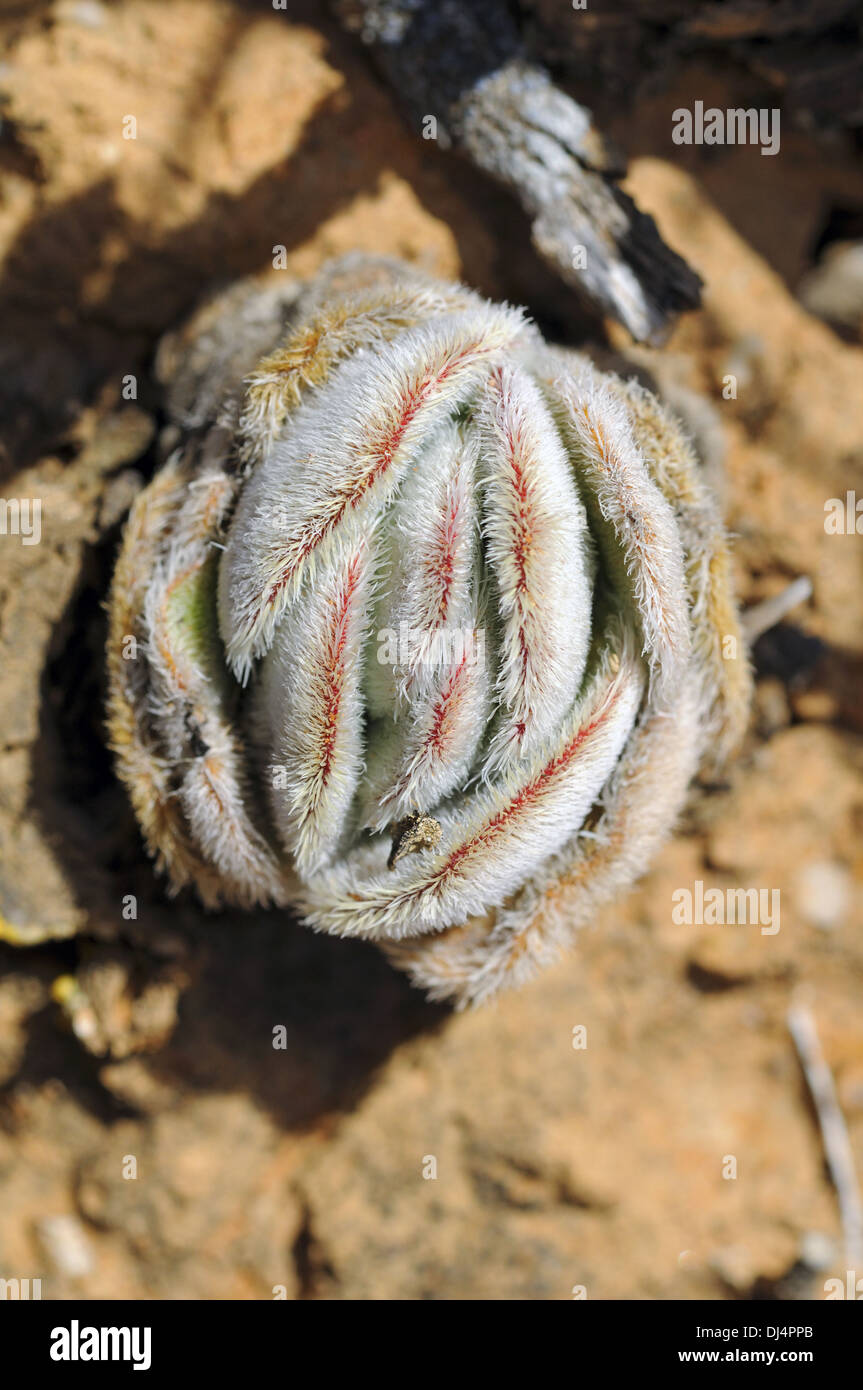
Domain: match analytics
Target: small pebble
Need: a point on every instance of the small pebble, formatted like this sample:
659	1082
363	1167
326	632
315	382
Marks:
66	1245
88	13
733	1264
817	1250
822	893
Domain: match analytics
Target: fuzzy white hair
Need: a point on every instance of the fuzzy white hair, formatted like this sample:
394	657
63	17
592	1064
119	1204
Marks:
471	582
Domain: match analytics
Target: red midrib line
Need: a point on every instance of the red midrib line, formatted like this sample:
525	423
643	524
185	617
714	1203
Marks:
520	802
521	546
386	451
334	674
442	567
435	738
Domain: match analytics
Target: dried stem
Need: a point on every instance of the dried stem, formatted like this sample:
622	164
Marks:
834	1132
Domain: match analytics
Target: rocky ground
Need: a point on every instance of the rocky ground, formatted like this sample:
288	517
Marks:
153	1142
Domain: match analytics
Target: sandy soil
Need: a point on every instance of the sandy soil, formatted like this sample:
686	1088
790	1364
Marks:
151	1039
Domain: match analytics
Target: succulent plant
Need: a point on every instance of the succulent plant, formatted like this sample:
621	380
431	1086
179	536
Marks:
423	628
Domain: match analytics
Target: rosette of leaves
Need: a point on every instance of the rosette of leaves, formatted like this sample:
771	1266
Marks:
422	629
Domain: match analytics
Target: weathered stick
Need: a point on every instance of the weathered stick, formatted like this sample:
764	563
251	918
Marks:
462	62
